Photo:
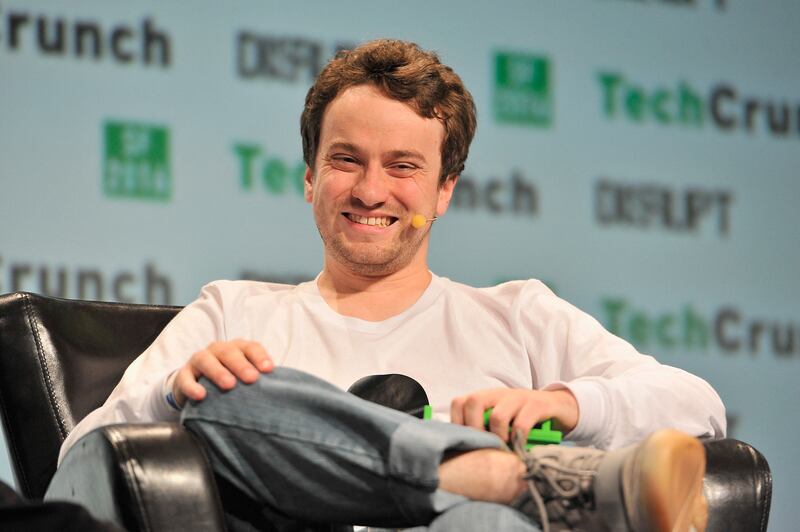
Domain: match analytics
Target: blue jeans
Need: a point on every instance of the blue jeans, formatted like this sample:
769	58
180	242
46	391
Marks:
303	448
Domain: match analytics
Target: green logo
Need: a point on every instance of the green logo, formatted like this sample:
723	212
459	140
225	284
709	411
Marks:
522	91
136	161
275	174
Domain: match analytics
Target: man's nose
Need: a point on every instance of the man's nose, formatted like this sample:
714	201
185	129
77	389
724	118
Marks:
371	189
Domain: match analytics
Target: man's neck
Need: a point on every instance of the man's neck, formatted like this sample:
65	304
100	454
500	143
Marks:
372	298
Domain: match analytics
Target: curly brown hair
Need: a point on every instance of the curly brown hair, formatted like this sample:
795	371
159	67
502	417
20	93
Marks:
404	72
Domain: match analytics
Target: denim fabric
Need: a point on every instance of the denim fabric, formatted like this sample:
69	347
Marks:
312	452
475	515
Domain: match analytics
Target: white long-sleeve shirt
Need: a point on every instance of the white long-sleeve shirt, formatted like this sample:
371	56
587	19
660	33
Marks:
454	340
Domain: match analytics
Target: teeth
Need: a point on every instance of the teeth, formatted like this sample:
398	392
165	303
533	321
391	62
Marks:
381	221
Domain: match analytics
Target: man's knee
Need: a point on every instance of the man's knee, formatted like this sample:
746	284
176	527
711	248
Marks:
273	388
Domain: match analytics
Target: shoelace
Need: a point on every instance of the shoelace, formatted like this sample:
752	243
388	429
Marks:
549	472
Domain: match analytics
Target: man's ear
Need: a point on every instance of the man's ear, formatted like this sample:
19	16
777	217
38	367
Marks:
308	185
445	194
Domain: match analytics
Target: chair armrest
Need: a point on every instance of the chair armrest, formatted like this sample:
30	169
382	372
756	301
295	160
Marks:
141	477
737	486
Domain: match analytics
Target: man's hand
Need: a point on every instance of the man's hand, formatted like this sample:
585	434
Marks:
222	363
520	409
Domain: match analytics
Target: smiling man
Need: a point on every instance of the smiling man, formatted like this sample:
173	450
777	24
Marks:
260	370
378	164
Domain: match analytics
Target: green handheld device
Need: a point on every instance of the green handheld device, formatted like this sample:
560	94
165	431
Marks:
541	434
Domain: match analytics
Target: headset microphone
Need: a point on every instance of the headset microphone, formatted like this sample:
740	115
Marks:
418	221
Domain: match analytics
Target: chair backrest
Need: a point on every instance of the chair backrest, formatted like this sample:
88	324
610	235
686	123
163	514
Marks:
59	360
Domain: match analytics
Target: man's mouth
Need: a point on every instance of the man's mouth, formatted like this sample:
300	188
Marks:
377	221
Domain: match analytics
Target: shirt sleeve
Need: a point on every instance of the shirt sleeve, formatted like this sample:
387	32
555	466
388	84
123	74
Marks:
139	397
622	395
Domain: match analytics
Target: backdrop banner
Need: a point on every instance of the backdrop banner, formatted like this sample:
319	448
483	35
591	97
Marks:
640	157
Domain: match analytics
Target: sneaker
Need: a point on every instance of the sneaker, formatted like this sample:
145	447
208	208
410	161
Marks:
654	486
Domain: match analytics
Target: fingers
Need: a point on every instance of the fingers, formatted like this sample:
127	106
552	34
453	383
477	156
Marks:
237	359
462	411
517	409
217	366
503	413
528	415
474	407
457	410
202	363
468	410
257	355
222	363
186	387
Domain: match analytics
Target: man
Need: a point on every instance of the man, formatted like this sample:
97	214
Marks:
386	130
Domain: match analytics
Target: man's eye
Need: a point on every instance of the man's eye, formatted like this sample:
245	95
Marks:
403	169
343	161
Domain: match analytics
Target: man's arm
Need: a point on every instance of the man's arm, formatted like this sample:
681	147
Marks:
182	349
621	395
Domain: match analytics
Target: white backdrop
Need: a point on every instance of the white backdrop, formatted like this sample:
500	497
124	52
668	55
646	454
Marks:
639	156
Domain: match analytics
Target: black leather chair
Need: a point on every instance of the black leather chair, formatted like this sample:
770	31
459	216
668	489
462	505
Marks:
60	359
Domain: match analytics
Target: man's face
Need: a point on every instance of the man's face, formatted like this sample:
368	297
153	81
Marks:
377	164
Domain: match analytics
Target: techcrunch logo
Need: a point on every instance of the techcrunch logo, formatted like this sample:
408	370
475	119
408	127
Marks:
270	172
275	176
125	286
81	38
728	329
523	89
723	106
136	161
515	195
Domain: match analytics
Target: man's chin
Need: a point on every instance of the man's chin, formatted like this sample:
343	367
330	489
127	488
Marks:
371	263
372	266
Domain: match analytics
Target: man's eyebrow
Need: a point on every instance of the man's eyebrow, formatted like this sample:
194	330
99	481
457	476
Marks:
406	154
345	146
394	154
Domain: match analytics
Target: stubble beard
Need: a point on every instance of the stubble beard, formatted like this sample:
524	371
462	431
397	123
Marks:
371	260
